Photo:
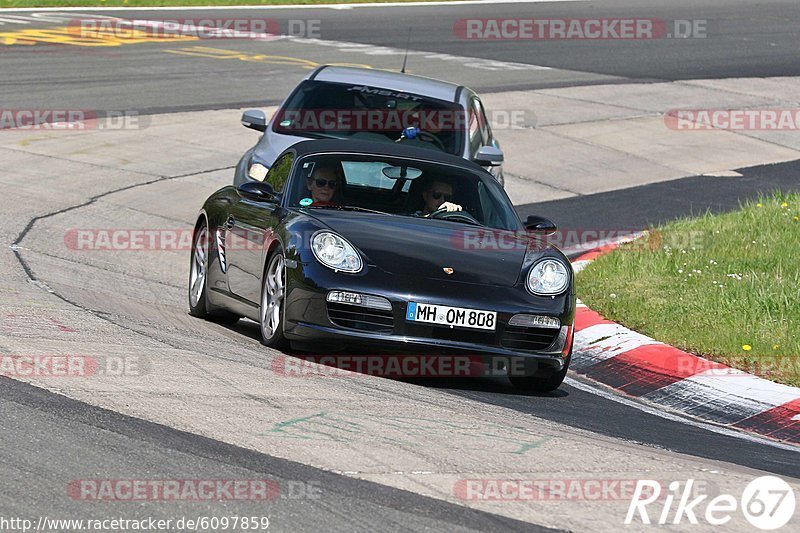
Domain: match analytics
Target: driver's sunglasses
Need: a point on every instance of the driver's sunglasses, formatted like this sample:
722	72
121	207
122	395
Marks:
438	195
321	183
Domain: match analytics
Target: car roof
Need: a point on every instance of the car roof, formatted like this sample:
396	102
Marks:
385	79
388	149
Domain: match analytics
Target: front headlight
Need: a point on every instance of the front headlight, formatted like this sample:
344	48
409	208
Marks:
334	252
257	171
548	277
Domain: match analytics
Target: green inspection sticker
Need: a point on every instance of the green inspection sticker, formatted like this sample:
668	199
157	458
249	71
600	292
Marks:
305	202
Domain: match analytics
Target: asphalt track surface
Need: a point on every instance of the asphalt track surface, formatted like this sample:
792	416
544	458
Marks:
87	438
745	39
656	203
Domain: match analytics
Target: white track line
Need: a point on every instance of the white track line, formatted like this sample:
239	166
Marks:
580	249
300	6
710	380
604	341
369	49
752	437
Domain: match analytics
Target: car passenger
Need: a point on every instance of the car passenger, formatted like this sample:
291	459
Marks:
324	182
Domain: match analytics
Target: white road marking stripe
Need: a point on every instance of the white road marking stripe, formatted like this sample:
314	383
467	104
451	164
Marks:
299	6
589	246
577	266
603	341
369	49
676	418
711	402
16	20
719	395
46	17
746	386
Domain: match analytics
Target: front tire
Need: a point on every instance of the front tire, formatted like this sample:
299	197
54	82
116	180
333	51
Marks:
198	273
273	292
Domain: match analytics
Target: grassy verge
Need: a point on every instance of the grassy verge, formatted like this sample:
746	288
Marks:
160	3
726	287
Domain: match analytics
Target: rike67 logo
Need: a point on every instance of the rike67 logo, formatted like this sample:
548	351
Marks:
768	503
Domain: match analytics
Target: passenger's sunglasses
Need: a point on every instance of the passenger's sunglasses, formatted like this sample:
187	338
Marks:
321	183
438	195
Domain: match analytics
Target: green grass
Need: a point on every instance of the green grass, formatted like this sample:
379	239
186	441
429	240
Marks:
726	287
148	3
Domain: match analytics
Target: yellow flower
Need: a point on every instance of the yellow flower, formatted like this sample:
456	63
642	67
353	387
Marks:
776	346
784	204
746	347
759	205
796	219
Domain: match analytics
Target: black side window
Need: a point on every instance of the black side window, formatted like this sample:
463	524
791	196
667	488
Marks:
279	172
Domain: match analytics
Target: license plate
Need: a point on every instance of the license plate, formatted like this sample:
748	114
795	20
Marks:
451	316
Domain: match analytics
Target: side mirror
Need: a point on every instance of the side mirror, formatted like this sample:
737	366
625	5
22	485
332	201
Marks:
255	119
489	156
539	224
258	191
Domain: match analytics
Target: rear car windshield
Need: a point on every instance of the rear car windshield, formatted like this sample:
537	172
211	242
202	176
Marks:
324	109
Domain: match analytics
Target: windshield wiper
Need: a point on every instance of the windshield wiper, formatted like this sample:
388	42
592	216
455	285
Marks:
348	208
310	134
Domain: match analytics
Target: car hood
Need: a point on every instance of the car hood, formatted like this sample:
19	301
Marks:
412	246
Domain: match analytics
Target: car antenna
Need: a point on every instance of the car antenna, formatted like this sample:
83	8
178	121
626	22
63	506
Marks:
405	57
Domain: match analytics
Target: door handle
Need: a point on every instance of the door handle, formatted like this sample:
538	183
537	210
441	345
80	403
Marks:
230	222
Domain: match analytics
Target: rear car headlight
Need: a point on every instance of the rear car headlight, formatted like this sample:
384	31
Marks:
335	252
548	277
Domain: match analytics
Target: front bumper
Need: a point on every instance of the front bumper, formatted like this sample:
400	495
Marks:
308	321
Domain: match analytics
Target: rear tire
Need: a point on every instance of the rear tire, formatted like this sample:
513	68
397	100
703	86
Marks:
198	279
273	292
542	384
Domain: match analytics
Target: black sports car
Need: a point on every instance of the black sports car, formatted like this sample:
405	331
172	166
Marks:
349	243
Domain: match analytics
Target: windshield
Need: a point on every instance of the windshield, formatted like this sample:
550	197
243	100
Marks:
402	187
324	109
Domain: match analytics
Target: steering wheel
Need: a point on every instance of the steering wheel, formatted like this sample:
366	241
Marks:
428	137
431	138
455	216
